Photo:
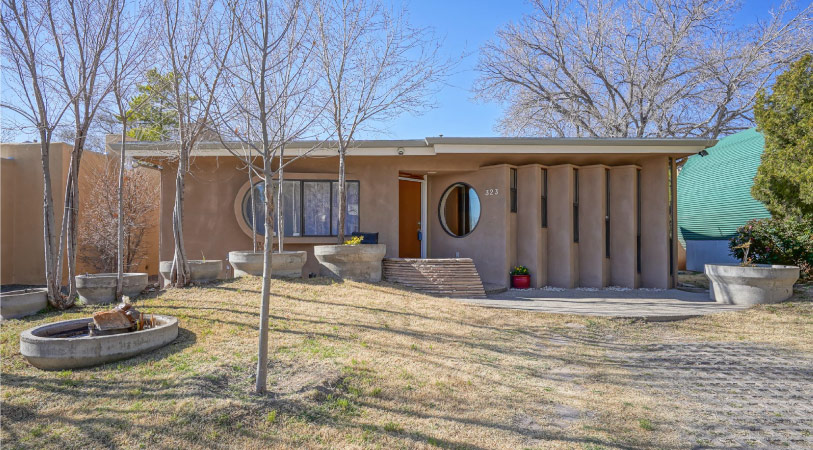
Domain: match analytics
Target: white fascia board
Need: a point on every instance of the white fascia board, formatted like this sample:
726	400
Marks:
566	149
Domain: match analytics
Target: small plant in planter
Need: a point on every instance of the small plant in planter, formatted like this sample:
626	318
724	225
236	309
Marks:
520	278
355	240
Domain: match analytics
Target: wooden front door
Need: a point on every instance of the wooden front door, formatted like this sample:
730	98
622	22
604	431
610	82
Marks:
409	219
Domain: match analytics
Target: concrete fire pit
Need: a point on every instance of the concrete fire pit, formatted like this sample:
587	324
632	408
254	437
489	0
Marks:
99	288
25	302
284	265
201	271
354	262
44	350
751	285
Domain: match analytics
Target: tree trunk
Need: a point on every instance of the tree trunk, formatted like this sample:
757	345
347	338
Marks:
180	266
52	278
262	359
342	195
120	221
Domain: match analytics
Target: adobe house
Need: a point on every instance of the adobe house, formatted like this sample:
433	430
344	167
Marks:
576	212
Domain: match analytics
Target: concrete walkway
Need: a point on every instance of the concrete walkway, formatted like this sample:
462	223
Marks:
670	304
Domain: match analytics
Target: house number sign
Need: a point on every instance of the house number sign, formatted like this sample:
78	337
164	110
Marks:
492	191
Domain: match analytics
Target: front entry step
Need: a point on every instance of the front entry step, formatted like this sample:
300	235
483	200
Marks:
448	277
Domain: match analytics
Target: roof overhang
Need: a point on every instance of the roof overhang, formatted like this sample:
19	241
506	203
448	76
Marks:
438	145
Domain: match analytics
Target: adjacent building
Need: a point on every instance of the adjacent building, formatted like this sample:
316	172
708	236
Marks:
714	197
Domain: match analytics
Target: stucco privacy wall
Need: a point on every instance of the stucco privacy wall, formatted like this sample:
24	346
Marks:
562	251
500	240
593	263
531	240
654	223
22	258
624	226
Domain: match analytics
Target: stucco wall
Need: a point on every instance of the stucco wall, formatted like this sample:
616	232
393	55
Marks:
623	226
22	253
531	238
702	252
489	244
593	263
654	223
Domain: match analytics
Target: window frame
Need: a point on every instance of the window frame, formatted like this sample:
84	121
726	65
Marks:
638	221
513	189
576	206
544	205
607	213
301	182
441	204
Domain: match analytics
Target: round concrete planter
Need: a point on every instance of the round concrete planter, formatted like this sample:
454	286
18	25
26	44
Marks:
201	271
25	302
55	353
751	285
98	288
354	262
284	264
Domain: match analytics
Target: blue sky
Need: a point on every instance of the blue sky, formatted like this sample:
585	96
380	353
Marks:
466	25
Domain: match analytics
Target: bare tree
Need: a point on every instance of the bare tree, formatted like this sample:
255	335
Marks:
31	92
195	42
98	230
270	102
637	69
376	66
133	41
80	33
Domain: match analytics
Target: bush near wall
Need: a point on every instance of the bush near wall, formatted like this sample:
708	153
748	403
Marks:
786	241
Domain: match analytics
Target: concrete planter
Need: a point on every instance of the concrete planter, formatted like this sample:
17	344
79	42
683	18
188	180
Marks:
98	288
201	271
751	285
44	351
354	262
283	265
25	302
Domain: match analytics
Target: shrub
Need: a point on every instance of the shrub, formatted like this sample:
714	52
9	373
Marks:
98	224
776	241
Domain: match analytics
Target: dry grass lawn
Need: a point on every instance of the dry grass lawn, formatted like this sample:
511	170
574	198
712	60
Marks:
356	366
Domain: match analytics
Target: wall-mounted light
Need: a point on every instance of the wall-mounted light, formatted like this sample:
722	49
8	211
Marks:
400	150
703	153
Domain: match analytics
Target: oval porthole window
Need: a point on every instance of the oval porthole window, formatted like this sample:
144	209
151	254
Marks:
257	219
459	209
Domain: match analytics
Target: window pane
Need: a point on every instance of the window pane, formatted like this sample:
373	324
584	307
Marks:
316	208
290	207
351	220
258	218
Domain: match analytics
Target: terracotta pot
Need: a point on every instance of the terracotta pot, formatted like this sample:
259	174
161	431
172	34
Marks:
521	281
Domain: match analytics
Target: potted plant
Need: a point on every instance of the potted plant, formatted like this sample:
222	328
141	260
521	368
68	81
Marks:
351	260
520	278
748	283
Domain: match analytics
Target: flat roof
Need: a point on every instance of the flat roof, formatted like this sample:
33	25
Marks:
443	144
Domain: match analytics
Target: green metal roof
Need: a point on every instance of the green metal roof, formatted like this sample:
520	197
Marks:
714	191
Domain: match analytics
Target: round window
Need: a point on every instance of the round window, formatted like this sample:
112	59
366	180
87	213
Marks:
459	209
256	218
